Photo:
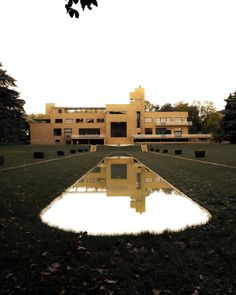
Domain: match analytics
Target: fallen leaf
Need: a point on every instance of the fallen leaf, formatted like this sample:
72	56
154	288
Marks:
110	281
54	267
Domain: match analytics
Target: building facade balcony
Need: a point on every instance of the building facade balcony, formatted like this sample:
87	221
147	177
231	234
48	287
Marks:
87	136
171	123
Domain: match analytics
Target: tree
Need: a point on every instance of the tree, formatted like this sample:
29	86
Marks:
210	119
167	107
13	125
150	107
228	122
193	115
212	124
74	12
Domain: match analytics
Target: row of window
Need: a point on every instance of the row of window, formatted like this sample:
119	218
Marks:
122	174
117	130
81	131
177	131
87	120
164	120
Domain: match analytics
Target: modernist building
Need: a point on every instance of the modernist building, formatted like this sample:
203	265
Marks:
113	124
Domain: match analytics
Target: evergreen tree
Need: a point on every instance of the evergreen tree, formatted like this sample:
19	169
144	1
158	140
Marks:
229	118
13	125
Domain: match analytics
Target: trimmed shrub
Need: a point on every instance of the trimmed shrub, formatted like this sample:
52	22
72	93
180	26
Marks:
157	150
199	154
151	150
85	150
60	153
72	151
178	152
80	151
165	151
2	160
39	155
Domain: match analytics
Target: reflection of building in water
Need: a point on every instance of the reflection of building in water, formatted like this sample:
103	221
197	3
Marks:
122	177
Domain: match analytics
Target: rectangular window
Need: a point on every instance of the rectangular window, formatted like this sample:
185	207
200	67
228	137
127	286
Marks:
79	120
178	131
58	121
117	113
138	180
89	120
100	120
148	179
57	131
118	129
148	120
158	120
59	111
68	121
118	171
178	119
168	120
163	120
67	131
148	130
89	131
138	116
163	131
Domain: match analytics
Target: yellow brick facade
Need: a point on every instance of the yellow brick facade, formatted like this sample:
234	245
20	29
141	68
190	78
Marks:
114	124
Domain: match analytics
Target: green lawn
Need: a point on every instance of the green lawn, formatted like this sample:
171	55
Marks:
23	154
218	153
37	259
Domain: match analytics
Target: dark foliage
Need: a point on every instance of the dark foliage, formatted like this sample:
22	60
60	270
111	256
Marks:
167	107
74	12
13	124
228	122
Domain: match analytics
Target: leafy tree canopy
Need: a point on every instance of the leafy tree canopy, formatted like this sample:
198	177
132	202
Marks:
83	3
13	125
167	107
150	107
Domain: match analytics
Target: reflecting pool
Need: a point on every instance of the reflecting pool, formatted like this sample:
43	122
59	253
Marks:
122	196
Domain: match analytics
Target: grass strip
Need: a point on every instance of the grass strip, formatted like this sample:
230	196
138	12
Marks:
37	259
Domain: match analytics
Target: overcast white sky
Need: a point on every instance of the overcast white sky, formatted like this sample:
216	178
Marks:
175	49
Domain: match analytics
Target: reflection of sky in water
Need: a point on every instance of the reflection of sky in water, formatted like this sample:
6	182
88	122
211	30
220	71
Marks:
100	211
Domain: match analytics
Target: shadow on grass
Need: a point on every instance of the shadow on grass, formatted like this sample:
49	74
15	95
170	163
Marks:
37	259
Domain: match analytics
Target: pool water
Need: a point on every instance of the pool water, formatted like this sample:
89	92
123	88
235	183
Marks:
122	196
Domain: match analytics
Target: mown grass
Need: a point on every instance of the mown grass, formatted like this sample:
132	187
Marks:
218	153
23	154
37	259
